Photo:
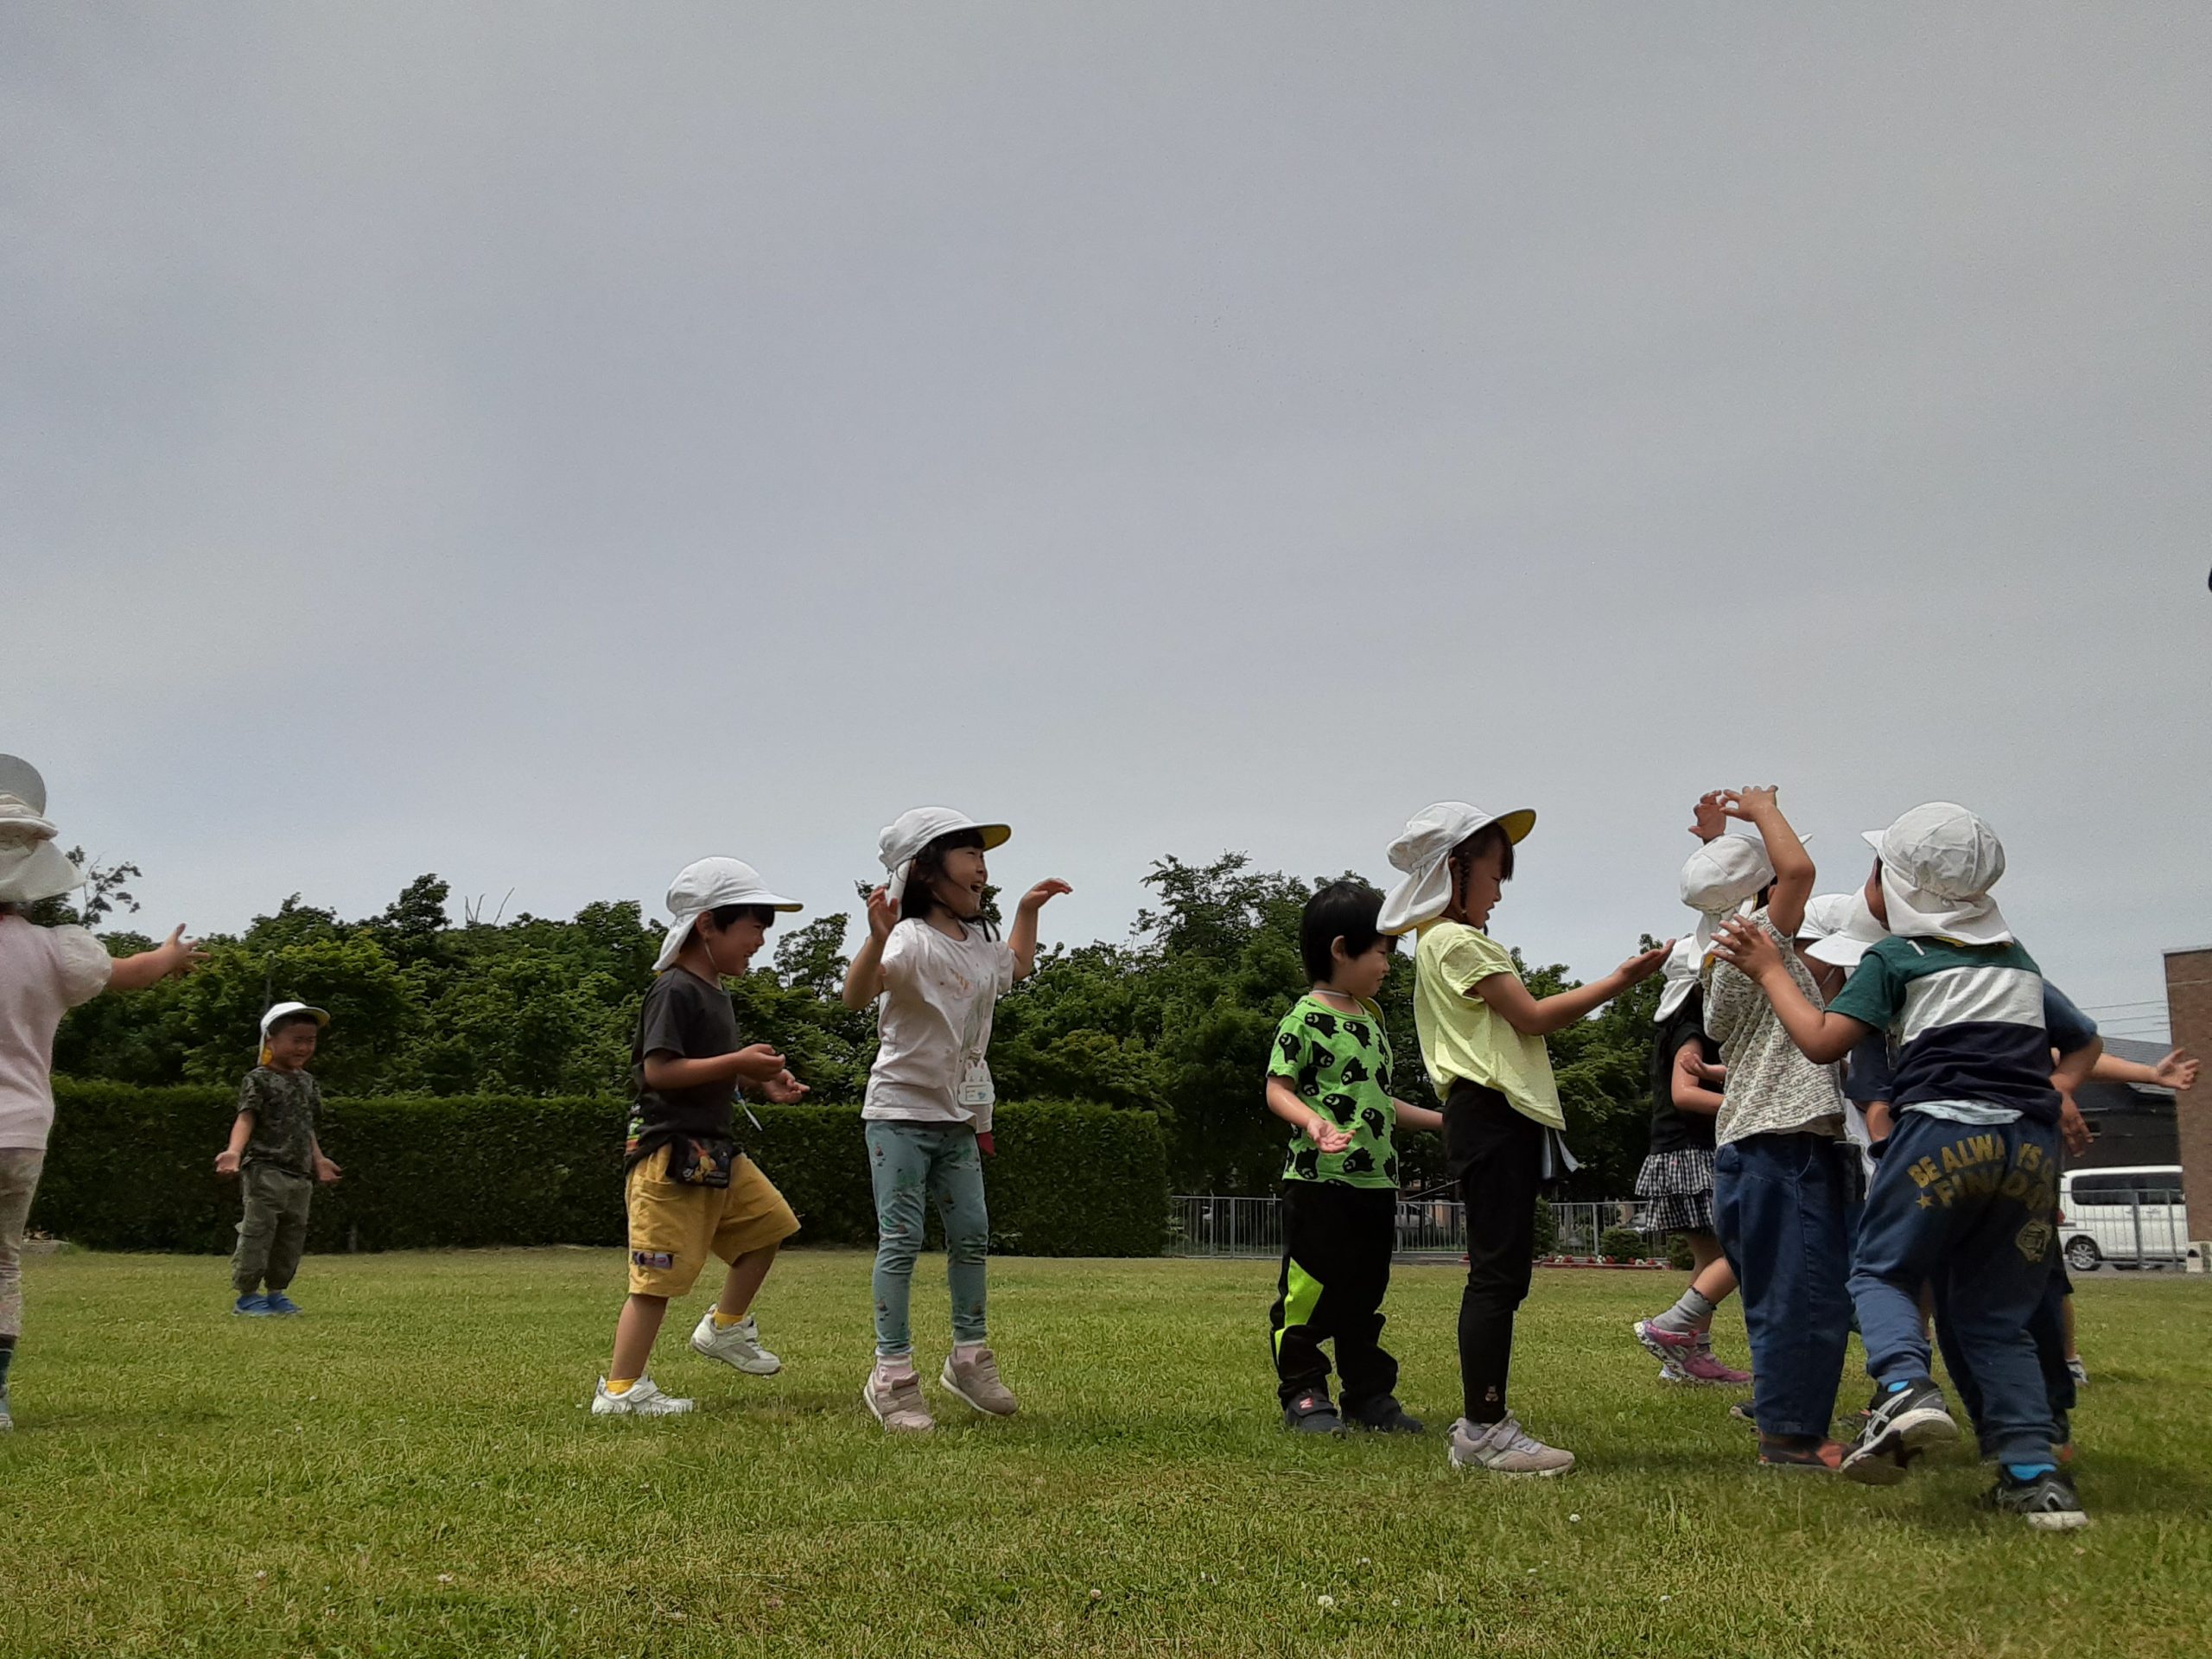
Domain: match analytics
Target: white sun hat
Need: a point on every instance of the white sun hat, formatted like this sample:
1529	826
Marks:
31	867
20	778
1838	928
1939	863
1721	878
708	885
1421	854
1678	978
285	1010
900	841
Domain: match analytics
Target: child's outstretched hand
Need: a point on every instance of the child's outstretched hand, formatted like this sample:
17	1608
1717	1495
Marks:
180	955
1641	966
2177	1071
1743	945
325	1171
882	914
1050	888
226	1163
784	1090
1749	803
1709	818
1326	1135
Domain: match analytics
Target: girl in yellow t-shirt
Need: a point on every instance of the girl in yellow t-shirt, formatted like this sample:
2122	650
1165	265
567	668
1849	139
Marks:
1482	1038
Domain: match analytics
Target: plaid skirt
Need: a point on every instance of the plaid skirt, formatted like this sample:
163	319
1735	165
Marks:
1677	1190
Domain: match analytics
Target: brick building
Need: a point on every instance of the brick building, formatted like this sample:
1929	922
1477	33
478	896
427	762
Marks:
2188	1007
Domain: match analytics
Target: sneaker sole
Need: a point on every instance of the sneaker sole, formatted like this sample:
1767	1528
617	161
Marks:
1510	1474
751	1368
2063	1521
962	1395
1886	1461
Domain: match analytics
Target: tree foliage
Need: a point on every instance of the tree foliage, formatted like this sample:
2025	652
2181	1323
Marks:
1177	1019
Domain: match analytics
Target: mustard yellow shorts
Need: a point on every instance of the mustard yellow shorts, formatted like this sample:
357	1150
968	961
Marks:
675	1227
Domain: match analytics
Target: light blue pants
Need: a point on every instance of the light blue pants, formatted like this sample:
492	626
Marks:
914	1164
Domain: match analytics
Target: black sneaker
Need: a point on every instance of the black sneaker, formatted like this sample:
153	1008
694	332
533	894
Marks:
1312	1413
1901	1424
2046	1502
1384	1415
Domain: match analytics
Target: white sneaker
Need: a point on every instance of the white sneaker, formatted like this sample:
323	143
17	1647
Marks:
641	1399
735	1345
1505	1448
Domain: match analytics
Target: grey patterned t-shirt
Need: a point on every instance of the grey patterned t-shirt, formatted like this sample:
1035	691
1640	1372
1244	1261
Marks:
1772	1089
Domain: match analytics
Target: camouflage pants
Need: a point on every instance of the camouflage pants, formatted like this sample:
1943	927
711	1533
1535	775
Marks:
19	1168
275	1230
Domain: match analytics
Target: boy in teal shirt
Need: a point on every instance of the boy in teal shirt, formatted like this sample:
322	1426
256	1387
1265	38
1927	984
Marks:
1329	1077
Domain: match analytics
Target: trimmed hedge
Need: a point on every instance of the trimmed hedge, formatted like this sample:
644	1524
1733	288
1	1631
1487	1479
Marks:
133	1169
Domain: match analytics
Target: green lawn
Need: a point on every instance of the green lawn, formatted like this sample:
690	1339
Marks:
410	1469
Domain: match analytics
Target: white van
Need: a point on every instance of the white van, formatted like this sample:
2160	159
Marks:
2126	1216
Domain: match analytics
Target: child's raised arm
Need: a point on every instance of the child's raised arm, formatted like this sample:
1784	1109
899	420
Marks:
1821	1037
1509	999
177	955
2177	1071
1022	941
1793	866
864	977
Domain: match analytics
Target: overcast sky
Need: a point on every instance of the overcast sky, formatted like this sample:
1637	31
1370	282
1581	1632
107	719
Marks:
546	444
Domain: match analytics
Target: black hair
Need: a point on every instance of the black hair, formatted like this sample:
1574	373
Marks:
287	1021
725	917
1465	855
1345	910
920	897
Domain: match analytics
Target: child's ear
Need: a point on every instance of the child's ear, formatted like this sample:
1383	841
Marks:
1336	951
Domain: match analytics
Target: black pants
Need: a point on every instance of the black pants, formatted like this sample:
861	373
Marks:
1497	1154
1335	1266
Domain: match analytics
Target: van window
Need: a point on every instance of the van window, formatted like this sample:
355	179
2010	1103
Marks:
2104	1189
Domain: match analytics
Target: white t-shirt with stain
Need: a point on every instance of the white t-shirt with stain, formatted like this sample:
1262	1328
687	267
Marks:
935	1022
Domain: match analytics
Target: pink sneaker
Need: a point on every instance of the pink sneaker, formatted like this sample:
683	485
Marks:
1699	1366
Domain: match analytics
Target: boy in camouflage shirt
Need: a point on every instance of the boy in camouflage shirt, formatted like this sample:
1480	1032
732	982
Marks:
273	1149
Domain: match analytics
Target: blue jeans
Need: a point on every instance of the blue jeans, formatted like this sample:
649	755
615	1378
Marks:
1782	1204
1966	1208
911	1163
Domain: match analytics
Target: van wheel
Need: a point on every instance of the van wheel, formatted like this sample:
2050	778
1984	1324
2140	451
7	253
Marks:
2082	1255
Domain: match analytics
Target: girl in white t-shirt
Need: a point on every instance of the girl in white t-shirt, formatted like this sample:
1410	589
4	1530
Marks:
44	973
936	968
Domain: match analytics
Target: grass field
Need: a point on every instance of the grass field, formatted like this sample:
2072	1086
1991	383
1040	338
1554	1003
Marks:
409	1469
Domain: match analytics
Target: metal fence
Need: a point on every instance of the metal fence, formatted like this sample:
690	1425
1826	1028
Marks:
2133	1234
1203	1225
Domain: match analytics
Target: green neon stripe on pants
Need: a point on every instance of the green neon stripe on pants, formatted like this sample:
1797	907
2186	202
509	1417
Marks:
1302	1296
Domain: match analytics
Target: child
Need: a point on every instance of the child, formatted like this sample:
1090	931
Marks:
274	1152
938	968
1329	1078
689	1191
44	972
1967	1187
1482	1038
1784	1182
1676	1178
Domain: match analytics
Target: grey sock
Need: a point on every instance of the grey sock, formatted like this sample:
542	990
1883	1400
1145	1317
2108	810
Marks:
1692	1313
